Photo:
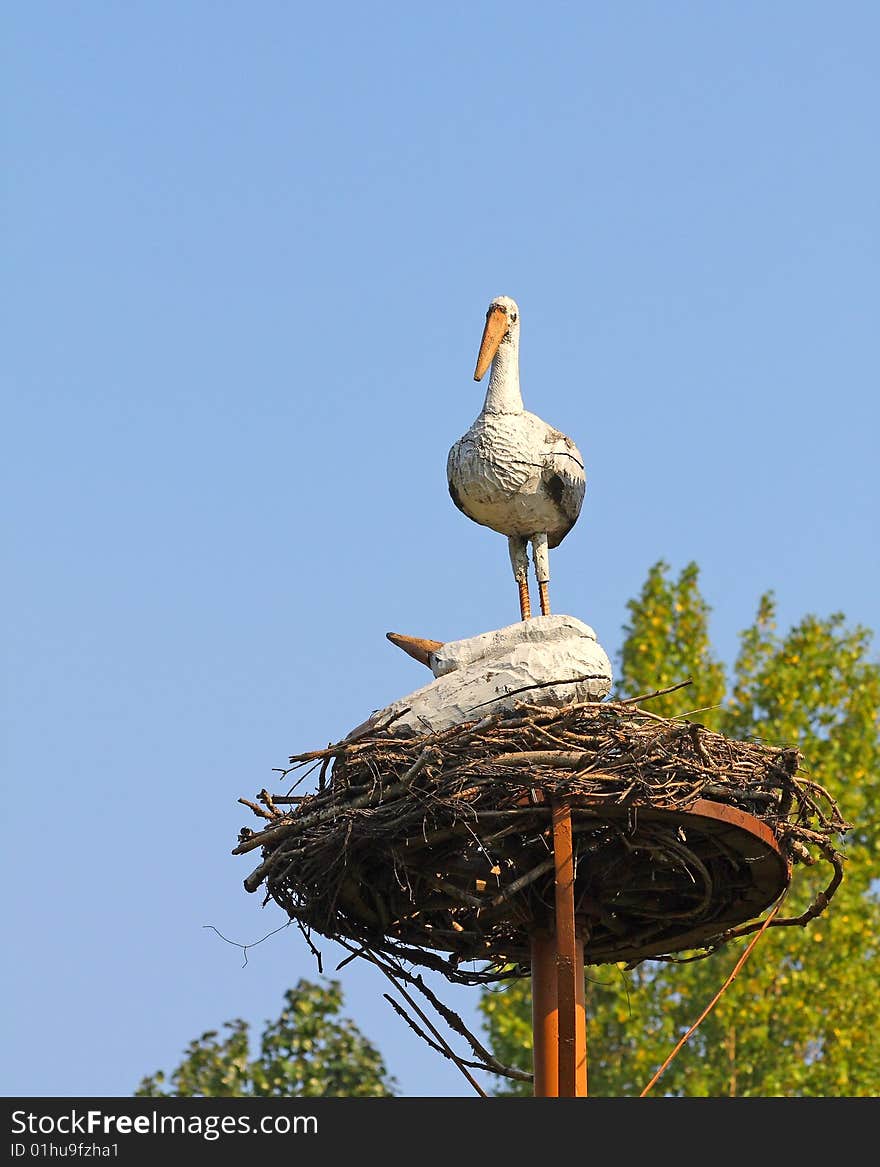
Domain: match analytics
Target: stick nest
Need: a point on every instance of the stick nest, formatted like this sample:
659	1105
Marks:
437	850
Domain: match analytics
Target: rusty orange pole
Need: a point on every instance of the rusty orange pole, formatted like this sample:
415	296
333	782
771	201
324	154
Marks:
566	943
545	1016
559	1020
580	1020
569	963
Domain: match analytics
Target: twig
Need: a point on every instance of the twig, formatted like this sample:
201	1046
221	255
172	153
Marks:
264	814
546	685
487	1061
245	947
303	821
694	712
401	1012
560	759
266	799
656	693
450	1052
524	880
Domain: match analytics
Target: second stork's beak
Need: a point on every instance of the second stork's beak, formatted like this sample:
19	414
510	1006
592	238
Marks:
493	334
416	647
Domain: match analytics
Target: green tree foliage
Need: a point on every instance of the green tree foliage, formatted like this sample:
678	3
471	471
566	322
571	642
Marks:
666	642
309	1051
801	1018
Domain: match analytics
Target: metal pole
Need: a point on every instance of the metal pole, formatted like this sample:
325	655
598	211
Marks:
580	1019
559	1022
545	1016
566	950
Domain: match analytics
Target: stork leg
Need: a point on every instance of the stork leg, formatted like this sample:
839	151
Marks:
541	556
519	561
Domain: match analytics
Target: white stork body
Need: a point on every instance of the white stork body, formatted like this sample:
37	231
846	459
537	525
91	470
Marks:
512	471
551	660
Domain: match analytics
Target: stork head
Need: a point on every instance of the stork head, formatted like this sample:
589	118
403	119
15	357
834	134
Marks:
502	327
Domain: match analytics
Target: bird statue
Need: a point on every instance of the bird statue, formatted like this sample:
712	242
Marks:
512	471
551	661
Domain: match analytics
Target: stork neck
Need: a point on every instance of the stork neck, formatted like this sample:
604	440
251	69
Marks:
503	394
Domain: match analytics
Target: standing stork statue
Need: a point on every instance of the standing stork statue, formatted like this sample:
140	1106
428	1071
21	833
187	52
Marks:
512	471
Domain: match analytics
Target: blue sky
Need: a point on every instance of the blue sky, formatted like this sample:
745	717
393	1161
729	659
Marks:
248	250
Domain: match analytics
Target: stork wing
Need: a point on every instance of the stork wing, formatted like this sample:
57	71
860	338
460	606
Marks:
564	480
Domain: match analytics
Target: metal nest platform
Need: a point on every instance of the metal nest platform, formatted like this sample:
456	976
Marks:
438	850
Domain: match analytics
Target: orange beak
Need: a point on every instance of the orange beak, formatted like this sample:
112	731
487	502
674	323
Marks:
493	334
416	647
